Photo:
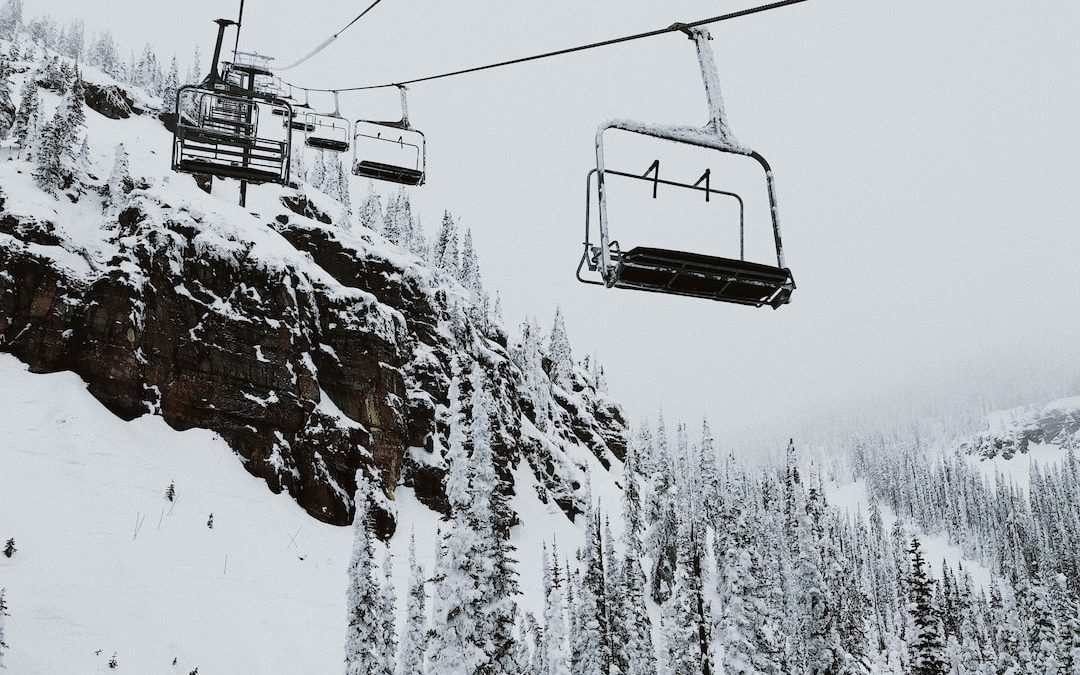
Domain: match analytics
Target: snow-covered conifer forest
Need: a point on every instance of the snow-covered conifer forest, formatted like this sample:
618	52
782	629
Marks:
302	437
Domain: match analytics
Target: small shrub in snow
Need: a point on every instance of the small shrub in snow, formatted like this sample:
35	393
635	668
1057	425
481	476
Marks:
9	547
113	663
210	521
170	492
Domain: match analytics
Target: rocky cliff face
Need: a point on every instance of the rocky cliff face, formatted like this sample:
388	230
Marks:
1014	431
314	351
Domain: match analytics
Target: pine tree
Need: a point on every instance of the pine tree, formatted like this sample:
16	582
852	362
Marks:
364	637
661	512
371	210
170	492
414	639
927	644
469	273
120	183
343	191
682	646
71	43
3	613
633	636
554	641
445	253
29	106
56	155
7	107
169	88
457	644
11	19
104	55
195	71
387	609
562	360
317	175
592	643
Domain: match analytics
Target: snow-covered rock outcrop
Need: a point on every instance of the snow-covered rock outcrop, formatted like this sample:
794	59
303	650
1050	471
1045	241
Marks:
1014	431
314	350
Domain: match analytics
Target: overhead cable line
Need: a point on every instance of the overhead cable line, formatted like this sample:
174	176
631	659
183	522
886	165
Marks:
569	50
326	43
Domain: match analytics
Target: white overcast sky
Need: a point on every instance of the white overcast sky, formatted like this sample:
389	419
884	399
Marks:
927	155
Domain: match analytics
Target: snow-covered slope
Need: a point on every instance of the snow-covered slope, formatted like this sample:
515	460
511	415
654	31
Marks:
105	563
291	349
313	345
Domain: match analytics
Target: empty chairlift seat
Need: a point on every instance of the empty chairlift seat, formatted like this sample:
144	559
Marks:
697	275
325	132
703	276
393	152
218	135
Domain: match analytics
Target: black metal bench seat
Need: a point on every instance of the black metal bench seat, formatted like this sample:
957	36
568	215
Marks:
703	276
388	172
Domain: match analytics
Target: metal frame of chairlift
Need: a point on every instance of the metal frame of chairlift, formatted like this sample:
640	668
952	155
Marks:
676	272
222	139
298	122
393	173
327	131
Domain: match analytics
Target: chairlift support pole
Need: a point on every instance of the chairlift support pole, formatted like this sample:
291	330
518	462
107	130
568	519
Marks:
215	76
239	21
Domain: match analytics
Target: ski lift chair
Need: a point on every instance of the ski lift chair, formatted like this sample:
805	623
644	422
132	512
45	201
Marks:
679	272
329	131
390	151
218	134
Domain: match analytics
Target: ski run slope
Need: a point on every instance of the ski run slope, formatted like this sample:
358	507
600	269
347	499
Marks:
106	564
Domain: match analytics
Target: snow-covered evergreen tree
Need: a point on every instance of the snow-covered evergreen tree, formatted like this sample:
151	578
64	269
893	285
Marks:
317	176
72	40
120	183
57	153
105	56
445	251
457	644
3	614
554	641
170	86
927	643
7	107
559	353
29	106
591	646
414	637
11	19
370	214
469	272
366	650
387	612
